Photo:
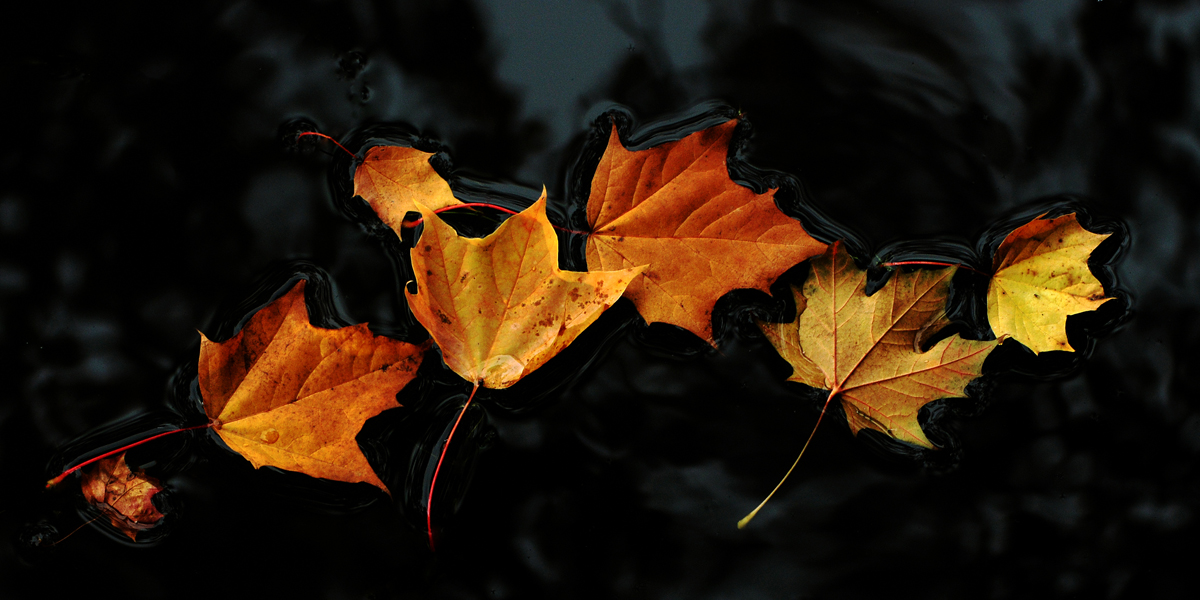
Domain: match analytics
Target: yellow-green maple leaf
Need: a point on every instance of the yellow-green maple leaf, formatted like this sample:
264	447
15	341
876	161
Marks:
1040	277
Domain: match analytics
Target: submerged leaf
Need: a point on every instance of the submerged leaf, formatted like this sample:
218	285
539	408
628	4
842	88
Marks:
124	496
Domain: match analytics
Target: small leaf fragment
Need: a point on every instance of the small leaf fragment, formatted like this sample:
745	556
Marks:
124	496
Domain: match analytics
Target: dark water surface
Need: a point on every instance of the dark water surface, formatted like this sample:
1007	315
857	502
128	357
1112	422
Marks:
149	189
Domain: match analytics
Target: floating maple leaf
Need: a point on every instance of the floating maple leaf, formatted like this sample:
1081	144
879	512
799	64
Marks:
499	307
1041	277
865	349
392	179
674	208
283	393
124	496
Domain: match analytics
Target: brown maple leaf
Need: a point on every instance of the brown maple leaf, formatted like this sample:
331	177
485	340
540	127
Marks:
283	393
124	496
674	208
865	350
393	179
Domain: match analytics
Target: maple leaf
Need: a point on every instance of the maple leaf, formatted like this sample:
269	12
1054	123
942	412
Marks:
499	307
673	207
283	393
1040	277
865	349
392	179
124	496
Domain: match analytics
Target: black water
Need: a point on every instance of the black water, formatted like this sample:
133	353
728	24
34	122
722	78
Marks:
150	188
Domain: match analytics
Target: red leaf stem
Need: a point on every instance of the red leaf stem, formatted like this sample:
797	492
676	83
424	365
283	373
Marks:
433	482
60	478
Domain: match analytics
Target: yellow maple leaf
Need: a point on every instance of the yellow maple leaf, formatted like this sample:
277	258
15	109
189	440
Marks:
1040	277
499	307
283	393
393	179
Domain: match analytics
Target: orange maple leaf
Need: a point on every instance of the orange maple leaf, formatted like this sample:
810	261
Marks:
392	179
124	496
866	349
283	393
673	207
499	307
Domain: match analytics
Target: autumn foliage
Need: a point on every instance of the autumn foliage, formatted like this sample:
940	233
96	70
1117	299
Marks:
500	307
669	229
1040	277
674	209
866	350
393	179
285	394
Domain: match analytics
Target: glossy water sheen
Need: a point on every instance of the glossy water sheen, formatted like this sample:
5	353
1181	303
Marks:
150	187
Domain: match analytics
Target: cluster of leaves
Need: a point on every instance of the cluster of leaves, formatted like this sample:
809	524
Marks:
668	228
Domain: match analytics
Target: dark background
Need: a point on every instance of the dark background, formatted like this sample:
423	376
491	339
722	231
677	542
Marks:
148	181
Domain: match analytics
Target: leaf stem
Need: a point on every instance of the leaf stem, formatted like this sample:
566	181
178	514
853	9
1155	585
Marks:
414	223
60	478
933	263
433	482
76	530
318	134
746	519
411	224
